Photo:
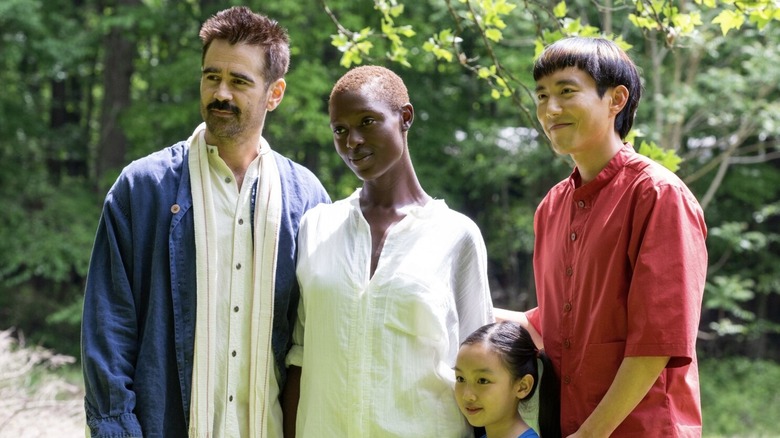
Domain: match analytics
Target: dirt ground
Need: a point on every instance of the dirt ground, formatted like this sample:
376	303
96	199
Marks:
35	401
60	419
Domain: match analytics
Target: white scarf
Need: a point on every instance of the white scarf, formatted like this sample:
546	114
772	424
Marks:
267	218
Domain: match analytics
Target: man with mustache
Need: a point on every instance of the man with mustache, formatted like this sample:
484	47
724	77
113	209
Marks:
191	291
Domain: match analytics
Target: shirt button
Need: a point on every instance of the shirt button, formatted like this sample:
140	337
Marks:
569	271
238	265
581	204
566	343
573	236
233	353
566	380
241	222
230	398
567	307
175	208
228	179
235	309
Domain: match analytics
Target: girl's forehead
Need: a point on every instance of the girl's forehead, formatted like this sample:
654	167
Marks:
479	352
481	360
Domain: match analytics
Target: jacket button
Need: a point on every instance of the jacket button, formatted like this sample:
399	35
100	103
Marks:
175	208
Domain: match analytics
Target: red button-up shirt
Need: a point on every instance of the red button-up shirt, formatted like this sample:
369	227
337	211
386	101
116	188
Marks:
620	266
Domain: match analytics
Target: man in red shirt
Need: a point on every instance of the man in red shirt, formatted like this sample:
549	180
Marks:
619	257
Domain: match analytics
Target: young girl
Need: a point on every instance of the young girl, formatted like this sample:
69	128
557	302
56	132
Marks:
496	369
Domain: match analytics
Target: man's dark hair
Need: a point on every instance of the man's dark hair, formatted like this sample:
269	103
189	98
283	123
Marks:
240	25
604	61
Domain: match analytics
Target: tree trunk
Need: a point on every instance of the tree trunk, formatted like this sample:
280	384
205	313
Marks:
117	71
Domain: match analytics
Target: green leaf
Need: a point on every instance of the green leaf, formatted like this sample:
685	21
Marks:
364	46
397	10
643	22
729	20
443	54
572	27
493	34
560	10
406	31
339	41
503	8
686	23
667	158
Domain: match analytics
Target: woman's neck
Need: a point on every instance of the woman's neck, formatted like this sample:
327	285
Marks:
393	194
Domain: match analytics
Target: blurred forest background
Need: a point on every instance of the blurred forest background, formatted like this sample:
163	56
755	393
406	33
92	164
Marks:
90	85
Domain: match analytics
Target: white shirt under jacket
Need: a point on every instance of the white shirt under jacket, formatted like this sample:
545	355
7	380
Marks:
377	352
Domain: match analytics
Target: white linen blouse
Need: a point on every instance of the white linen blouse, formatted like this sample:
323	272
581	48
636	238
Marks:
377	353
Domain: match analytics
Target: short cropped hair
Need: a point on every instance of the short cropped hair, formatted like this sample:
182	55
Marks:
380	81
604	61
240	25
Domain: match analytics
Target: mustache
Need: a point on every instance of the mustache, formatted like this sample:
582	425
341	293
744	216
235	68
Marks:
223	106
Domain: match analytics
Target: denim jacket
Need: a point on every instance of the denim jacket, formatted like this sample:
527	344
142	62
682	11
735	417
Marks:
138	326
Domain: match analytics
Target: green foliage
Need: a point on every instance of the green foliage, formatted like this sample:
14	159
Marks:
667	158
760	13
488	18
355	47
665	17
744	275
49	211
739	397
46	235
729	293
439	44
711	103
31	234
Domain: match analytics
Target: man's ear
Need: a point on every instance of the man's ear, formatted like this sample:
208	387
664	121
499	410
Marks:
619	98
407	116
523	386
276	93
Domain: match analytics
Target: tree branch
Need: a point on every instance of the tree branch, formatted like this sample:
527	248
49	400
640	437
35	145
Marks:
745	129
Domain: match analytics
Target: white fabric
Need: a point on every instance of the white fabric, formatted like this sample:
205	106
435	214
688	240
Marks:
263	404
377	354
234	277
235	273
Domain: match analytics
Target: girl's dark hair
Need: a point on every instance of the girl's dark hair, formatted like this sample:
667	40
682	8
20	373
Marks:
517	351
604	61
240	25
